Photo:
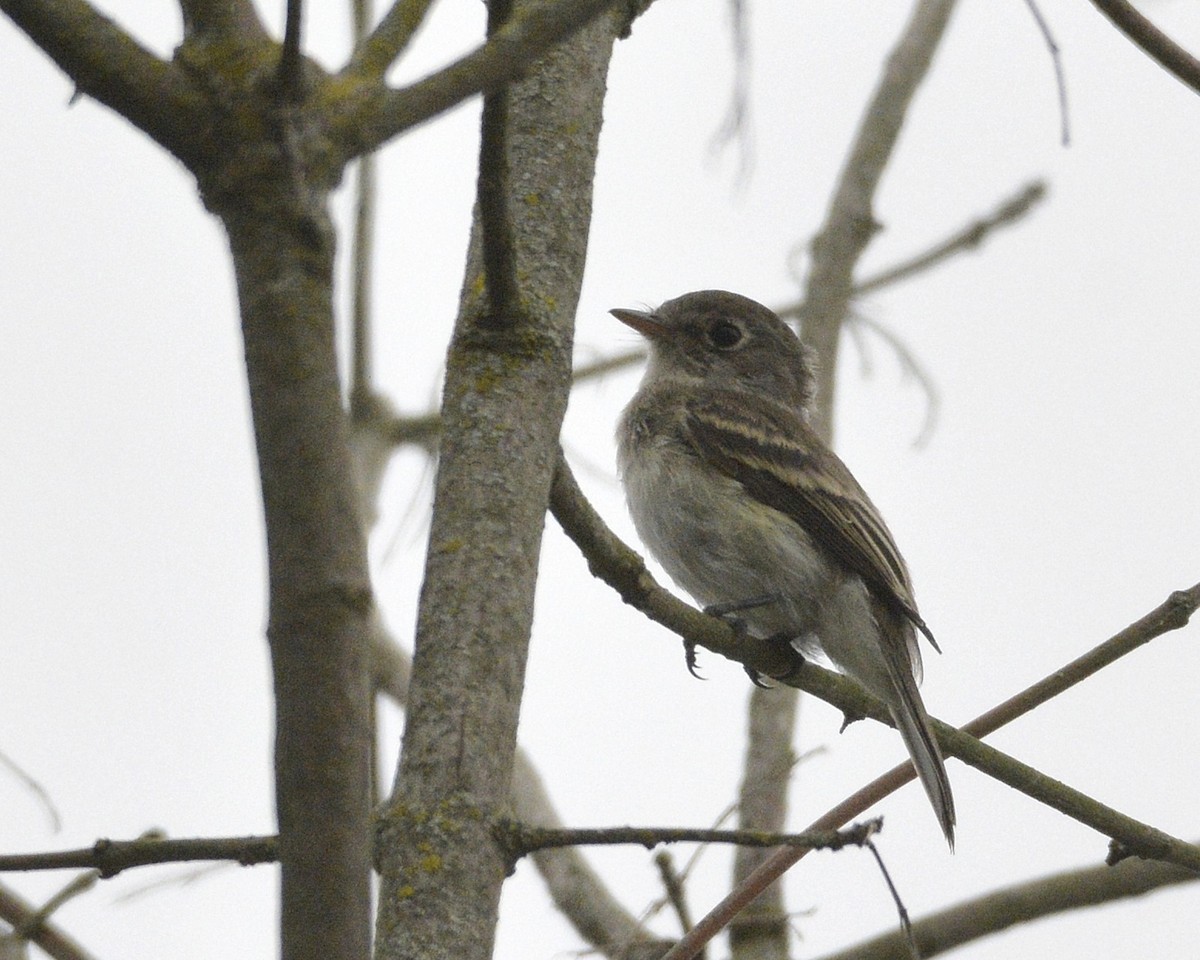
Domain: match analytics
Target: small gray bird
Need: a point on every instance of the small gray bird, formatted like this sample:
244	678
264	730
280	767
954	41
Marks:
749	511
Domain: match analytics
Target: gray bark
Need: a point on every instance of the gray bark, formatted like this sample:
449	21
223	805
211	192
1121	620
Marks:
507	381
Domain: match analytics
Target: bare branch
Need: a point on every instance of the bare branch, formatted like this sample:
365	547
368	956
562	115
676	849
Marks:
495	226
763	929
362	259
624	570
520	839
850	223
372	115
1000	909
1060	80
110	857
969	237
18	913
735	128
34	787
320	603
1173	614
673	884
1156	44
107	64
910	365
379	50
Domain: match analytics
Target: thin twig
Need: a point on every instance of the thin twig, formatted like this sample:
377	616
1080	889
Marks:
35	788
1060	78
969	237
901	909
362	252
362	259
495	223
962	240
79	884
17	912
1000	909
912	367
673	885
736	127
110	857
521	838
1156	44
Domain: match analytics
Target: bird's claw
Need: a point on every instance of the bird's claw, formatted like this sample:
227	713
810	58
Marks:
726	611
689	657
756	678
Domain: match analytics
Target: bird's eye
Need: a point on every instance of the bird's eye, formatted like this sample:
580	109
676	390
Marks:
723	334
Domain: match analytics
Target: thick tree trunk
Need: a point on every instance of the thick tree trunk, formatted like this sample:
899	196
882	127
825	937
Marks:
320	596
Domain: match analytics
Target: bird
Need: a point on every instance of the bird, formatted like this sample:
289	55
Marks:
747	509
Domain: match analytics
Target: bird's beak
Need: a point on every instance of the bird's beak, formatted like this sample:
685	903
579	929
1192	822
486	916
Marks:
644	322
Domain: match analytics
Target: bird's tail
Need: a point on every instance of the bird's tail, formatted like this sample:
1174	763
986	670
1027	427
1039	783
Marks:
913	723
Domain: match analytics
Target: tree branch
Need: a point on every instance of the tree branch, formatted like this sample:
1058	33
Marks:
495	226
110	857
1000	909
319	598
850	223
763	929
520	839
372	114
1153	42
624	570
21	915
1171	615
107	64
969	237
383	46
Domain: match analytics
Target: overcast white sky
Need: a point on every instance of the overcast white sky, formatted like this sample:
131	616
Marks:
1054	503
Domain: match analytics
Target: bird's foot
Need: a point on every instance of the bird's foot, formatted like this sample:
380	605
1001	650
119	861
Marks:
727	611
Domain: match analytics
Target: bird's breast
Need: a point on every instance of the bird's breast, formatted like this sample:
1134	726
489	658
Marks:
715	540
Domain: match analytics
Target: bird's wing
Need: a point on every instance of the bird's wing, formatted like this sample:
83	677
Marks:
777	457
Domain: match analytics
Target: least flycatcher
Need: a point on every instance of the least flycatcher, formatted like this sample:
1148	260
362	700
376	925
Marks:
749	511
